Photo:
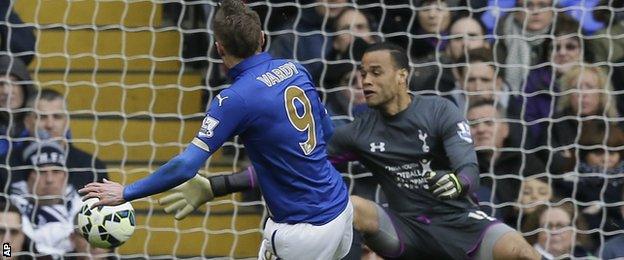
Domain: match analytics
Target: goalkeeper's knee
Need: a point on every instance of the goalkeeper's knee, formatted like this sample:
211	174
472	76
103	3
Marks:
386	240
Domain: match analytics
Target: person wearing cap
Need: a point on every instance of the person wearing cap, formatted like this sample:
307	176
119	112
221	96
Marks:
47	203
50	119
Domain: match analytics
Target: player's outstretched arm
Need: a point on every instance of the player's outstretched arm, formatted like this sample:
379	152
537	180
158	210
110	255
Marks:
175	172
199	190
215	130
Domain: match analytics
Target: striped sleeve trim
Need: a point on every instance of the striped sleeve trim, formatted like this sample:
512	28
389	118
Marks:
199	143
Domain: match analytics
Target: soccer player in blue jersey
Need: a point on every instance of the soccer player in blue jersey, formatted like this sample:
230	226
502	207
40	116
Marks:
274	107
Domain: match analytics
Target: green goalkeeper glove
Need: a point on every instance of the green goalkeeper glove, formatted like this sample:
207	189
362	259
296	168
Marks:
444	185
188	197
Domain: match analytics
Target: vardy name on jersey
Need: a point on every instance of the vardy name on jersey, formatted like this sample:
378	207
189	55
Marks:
278	74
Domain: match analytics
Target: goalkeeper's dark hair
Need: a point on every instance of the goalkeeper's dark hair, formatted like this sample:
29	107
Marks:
398	54
237	28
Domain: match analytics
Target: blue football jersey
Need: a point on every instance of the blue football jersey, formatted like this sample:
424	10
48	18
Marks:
273	106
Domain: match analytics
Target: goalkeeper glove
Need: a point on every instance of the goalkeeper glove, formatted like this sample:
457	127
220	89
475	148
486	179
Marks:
444	185
188	197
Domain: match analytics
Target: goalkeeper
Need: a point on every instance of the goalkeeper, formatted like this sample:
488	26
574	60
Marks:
276	110
420	150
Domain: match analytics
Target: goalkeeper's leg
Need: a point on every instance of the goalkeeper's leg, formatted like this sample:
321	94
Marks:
376	227
444	240
510	245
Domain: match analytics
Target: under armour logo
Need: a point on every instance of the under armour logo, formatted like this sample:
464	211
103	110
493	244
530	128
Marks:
381	147
220	99
423	137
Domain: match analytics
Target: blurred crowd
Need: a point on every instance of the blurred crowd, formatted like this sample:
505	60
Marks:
40	168
540	82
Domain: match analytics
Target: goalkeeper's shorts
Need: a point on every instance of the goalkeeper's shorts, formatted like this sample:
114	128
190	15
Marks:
306	241
448	236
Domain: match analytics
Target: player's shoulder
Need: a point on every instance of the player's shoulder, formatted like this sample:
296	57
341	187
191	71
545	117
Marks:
366	120
433	100
435	104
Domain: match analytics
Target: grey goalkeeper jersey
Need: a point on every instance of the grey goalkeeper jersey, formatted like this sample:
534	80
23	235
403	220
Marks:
431	134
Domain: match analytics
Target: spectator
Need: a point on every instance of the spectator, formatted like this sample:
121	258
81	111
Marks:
479	78
434	18
51	116
501	170
608	45
309	43
353	35
11	227
465	34
614	248
579	9
585	92
585	95
557	228
567	48
345	100
598	182
17	40
15	90
535	192
423	32
523	35
536	104
47	203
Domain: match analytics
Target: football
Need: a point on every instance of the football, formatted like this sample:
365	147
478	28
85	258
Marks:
105	226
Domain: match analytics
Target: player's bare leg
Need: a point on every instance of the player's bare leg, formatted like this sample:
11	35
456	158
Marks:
376	227
513	246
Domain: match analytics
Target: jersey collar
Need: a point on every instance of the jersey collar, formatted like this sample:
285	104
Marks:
399	115
248	63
